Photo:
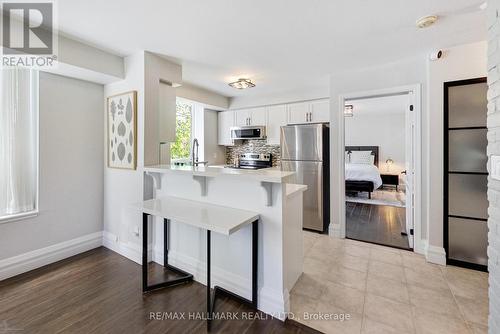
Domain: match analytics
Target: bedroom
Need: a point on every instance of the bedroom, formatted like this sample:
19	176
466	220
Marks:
376	156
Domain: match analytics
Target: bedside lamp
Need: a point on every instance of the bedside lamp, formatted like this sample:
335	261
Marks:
389	162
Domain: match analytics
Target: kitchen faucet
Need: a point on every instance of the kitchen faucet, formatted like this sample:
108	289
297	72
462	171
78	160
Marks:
194	154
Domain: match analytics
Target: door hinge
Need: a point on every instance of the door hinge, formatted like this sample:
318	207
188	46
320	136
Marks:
411	107
411	231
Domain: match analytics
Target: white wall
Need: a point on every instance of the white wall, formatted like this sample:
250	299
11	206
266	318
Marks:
204	96
71	173
122	188
213	153
405	72
387	131
462	62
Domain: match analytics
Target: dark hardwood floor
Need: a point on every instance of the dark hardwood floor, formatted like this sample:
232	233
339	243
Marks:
381	224
100	292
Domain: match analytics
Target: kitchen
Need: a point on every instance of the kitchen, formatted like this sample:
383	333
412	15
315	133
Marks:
256	176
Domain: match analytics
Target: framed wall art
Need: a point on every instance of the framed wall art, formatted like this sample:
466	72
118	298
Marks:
122	130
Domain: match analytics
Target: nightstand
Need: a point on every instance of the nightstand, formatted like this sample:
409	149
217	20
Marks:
390	179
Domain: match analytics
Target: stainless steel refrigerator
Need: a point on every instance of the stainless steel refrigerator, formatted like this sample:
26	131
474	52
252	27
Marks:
305	150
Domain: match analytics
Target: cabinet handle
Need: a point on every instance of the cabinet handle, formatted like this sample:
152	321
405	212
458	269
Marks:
310	116
307	117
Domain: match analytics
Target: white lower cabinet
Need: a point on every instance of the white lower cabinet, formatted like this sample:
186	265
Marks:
225	122
276	118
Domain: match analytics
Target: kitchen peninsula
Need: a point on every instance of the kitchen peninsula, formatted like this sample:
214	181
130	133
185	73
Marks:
269	192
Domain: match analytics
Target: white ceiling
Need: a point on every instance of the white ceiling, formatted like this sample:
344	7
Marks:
387	105
282	45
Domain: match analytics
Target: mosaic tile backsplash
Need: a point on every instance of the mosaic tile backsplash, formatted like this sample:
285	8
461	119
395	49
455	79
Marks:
253	146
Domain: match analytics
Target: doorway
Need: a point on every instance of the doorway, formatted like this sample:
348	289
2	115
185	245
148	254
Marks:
382	206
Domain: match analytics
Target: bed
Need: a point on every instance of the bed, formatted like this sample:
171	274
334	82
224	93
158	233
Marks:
362	177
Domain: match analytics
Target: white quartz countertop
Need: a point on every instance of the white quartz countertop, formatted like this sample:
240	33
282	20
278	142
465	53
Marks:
273	175
220	219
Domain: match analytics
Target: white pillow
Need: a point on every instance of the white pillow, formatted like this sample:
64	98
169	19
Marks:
347	157
362	157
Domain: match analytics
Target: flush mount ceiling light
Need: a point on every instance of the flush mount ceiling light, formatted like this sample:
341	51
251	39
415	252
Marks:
426	21
242	84
348	110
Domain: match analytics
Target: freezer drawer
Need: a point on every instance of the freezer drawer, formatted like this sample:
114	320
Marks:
309	173
302	142
468	240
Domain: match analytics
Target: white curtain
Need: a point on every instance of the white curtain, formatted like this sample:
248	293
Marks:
18	142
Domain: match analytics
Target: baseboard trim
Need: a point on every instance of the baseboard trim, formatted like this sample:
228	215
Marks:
271	301
41	257
129	250
435	254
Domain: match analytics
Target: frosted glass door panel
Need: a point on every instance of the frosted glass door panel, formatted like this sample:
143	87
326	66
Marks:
467	195
467	105
467	150
468	240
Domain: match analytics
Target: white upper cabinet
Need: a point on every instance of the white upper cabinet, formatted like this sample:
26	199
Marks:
242	117
167	113
254	116
320	111
298	113
226	120
276	118
258	116
317	111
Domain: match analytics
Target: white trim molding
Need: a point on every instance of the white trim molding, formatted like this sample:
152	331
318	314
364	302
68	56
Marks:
41	257
435	254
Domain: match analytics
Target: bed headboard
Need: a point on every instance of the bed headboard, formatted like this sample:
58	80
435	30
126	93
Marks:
374	150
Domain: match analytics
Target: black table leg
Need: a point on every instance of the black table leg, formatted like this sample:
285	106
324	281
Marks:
184	276
209	297
221	291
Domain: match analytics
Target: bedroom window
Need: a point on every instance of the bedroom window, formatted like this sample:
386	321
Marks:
18	144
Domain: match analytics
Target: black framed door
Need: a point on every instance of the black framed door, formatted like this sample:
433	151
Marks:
465	173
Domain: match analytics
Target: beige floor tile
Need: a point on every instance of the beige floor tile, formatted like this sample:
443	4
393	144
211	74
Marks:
430	322
374	327
358	243
389	312
348	277
324	241
355	250
350	325
419	264
388	249
428	280
316	267
338	295
351	262
386	270
386	256
324	254
381	286
478	329
467	283
441	301
309	286
300	304
474	310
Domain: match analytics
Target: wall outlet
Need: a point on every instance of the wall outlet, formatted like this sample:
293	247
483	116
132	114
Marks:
495	167
136	230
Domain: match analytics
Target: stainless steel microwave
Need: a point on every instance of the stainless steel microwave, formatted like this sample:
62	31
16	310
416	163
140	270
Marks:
248	132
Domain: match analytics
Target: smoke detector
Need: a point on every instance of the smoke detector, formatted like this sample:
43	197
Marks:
426	21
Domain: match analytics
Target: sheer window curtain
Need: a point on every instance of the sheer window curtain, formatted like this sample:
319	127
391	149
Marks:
18	142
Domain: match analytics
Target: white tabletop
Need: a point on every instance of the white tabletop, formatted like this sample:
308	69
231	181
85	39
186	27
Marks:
216	218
